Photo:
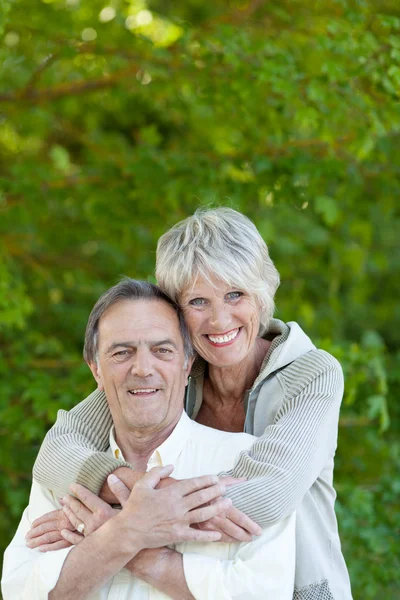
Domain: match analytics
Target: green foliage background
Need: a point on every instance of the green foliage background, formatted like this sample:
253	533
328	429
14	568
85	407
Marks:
119	119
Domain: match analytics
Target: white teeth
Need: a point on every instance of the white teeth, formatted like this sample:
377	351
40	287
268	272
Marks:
147	391
222	339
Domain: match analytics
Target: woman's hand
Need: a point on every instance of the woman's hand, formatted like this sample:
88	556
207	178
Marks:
45	533
128	476
59	528
86	512
233	525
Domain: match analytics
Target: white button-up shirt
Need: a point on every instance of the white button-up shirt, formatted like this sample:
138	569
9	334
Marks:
262	569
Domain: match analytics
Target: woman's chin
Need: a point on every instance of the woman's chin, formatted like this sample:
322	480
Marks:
227	356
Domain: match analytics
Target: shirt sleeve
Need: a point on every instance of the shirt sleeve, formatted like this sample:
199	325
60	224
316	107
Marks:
263	568
286	460
29	574
74	450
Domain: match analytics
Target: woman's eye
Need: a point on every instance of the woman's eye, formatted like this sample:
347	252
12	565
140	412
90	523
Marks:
197	302
234	295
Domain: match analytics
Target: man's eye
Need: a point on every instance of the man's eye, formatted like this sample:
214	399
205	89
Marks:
121	353
234	295
164	351
197	302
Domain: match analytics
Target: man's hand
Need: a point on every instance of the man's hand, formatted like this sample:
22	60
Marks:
162	568
163	516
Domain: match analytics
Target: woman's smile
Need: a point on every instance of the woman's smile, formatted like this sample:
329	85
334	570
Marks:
223	339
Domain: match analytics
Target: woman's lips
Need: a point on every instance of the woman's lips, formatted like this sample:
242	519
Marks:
223	339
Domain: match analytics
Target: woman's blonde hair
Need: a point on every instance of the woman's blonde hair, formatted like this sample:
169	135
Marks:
220	242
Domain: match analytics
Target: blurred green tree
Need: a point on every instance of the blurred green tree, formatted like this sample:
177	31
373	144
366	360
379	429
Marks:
119	119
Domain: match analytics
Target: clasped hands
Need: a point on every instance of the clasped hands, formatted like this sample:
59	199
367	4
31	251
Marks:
164	511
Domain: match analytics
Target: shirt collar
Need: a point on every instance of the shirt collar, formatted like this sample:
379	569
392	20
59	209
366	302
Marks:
170	449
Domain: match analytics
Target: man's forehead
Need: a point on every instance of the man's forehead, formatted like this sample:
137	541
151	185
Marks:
145	319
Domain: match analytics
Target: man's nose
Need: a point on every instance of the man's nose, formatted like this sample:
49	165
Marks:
142	365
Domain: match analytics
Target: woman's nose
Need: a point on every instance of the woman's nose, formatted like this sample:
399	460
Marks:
220	317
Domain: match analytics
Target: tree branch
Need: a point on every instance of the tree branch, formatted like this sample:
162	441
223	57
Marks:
37	96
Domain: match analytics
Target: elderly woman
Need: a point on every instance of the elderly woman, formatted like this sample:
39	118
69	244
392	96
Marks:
254	373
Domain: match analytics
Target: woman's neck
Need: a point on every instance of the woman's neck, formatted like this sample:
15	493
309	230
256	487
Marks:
228	385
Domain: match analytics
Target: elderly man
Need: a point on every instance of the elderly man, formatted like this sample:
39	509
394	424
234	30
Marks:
139	339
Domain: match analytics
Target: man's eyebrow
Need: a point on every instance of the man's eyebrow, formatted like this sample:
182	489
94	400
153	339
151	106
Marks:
166	342
119	345
151	343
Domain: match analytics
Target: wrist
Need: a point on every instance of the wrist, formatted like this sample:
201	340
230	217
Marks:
130	540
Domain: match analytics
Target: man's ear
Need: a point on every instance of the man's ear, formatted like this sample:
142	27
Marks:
187	366
94	367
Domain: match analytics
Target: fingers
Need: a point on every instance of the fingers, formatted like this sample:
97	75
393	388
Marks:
45	539
78	509
208	512
211	526
56	546
205	495
72	537
197	535
39	529
228	481
153	477
227	527
188	486
90	500
50	516
241	520
73	519
118	488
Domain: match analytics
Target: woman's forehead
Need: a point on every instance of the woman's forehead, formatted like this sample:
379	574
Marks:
207	283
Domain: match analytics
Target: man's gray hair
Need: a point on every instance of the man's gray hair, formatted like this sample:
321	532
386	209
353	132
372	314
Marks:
218	242
129	289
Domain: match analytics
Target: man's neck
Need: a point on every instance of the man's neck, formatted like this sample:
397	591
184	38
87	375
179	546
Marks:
137	445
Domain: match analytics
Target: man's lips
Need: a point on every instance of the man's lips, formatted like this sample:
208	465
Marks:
223	339
142	391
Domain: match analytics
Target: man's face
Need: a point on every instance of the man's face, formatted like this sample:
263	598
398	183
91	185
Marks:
141	365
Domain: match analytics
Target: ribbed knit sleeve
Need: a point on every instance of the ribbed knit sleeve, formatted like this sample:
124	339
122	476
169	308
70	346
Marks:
74	449
286	460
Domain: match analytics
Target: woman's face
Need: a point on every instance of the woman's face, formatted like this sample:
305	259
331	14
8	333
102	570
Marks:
223	321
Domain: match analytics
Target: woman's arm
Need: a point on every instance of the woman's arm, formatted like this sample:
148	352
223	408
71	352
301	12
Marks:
74	450
286	460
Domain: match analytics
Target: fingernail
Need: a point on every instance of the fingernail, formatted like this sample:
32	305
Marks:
112	479
65	499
